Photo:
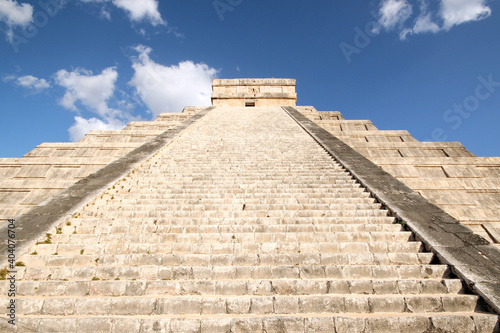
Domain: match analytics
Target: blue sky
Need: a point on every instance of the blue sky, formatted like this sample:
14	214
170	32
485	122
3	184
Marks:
429	67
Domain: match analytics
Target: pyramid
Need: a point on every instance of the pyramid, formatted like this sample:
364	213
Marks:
252	215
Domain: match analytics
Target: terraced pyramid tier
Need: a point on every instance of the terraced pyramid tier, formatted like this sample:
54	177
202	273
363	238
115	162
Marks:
242	224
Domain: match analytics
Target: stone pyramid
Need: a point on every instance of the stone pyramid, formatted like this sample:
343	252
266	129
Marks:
253	215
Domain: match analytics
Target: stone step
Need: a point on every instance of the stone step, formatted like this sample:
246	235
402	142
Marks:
241	305
283	177
320	323
277	194
255	187
114	206
180	272
283	172
156	234
195	167
237	214
118	244
331	190
237	183
234	287
145	259
265	201
159	235
254	222
356	231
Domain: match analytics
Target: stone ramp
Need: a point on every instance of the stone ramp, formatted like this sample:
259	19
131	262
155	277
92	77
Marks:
242	224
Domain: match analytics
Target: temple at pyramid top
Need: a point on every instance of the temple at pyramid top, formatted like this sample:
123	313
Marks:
254	92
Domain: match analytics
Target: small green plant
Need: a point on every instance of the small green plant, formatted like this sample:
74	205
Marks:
117	279
20	264
95	278
58	231
68	224
48	240
34	253
96	260
81	252
397	220
55	254
3	274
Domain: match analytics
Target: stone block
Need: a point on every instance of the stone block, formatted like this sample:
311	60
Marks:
243	325
61	325
262	305
350	325
59	306
453	323
238	305
211	325
178	306
213	306
185	325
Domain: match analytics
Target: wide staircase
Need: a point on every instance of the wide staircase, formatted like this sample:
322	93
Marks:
242	224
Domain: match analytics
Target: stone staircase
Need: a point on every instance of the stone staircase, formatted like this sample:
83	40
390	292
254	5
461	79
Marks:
242	224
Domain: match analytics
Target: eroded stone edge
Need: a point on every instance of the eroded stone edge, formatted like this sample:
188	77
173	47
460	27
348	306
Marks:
36	222
470	256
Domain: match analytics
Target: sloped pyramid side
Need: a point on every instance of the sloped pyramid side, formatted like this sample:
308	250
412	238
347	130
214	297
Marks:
52	167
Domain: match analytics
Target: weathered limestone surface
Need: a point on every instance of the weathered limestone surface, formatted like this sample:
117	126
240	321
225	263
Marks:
448	175
242	224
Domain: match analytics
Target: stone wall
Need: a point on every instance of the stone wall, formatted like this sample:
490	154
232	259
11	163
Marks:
446	173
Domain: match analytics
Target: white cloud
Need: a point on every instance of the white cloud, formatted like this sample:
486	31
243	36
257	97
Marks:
137	10
424	24
31	82
141	10
13	13
171	88
82	126
394	13
92	91
455	12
